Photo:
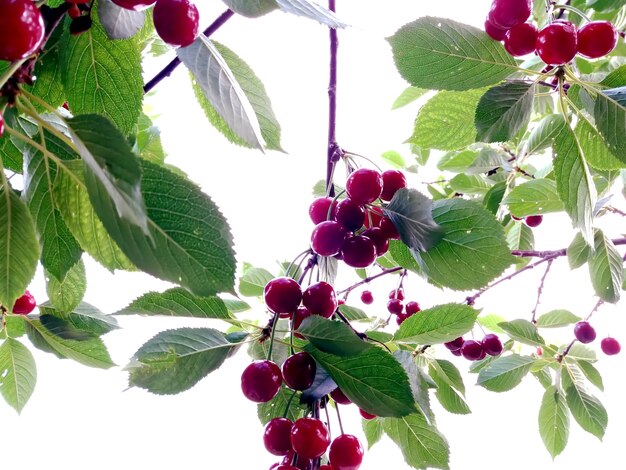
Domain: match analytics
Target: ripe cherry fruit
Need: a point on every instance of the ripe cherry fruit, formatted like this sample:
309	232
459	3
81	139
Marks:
282	295
21	29
309	438
455	344
392	181
492	345
472	350
327	238
364	185
610	346
340	397
494	32
505	14
365	415
320	299
381	242
346	453
584	332
318	210
412	308
358	251
277	436
596	39
395	306
521	39
176	21
557	43
350	215
366	297
261	381
25	304
533	220
299	371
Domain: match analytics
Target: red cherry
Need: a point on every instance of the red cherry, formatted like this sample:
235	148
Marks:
381	242
557	43
1	125
346	453
472	350
326	467
389	229
455	344
397	294
364	185
494	32
298	316
282	295
392	181
456	352
277	436
339	397
505	14
521	39
261	381
136	5
74	12
358	251
365	415
373	215
412	308
610	346
492	345
401	317
299	371
25	304
584	332
395	306
327	238
176	21
286	467
350	215
320	299
596	39
318	210
309	438
21	29
533	220
300	464
366	297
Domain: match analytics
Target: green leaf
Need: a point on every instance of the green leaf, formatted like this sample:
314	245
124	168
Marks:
311	11
83	322
189	240
473	250
520	237
251	9
587	410
554	421
420	442
374	380
18	373
177	302
18	245
411	214
59	249
523	331
102	76
148	142
448	378
491	322
353	313
437	325
574	183
419	381
72	200
15	326
578	252
403	256
592	374
442	122
394	159
580	351
503	111
333	337
493	197
373	430
175	360
253	281
538	196
441	54
275	408
557	319
504	373
606	269
457	162
10	153
236	306
222	90
49	85
91	352
542	136
594	148
118	22
468	184
67	294
610	115
409	95
488	160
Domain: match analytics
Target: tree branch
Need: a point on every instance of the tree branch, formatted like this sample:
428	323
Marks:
334	152
540	290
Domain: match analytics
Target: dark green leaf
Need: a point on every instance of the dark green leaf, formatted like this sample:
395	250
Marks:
19	373
493	197
557	319
84	317
275	408
578	252
594	148
503	111
523	331
253	281
606	268
175	360
505	372
441	54
10	153
437	325
554	421
49	85
374	380
333	337
411	213
538	196
544	134
610	115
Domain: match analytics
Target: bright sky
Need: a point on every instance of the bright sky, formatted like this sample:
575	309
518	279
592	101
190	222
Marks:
82	418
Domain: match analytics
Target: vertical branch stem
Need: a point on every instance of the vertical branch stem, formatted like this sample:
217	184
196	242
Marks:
333	148
540	290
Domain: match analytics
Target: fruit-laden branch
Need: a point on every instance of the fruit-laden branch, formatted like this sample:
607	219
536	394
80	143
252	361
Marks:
169	68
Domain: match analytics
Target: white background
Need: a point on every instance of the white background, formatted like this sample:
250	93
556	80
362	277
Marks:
81	418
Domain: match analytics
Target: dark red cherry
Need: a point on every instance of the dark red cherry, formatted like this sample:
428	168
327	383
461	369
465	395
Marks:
389	229
596	39
136	5
350	215
521	39
309	438
299	371
320	299
346	453
455	344
505	14
282	295
326	467
366	297
25	304
22	29
533	220
301	462
381	242
339	397
610	346
358	251
364	185
472	350
412	307
298	317
318	210
494	32
557	43
365	415
492	344
277	436
261	381
395	306
1	125
176	21
401	317
584	332
327	238
397	294
373	215
392	181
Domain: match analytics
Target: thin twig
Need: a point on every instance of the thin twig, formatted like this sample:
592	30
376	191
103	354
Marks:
369	279
540	290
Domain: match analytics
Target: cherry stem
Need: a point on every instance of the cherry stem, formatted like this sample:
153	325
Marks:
555	253
339	420
595	308
334	151
567	7
566	351
368	279
169	68
274	323
540	291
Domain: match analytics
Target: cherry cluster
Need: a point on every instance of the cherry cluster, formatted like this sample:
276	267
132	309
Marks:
395	305
473	350
585	333
556	43
175	21
352	229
